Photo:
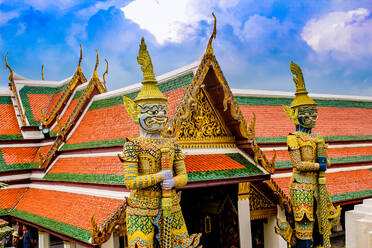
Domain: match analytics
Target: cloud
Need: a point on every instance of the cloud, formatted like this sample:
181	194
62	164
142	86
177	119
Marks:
173	21
348	32
6	16
260	27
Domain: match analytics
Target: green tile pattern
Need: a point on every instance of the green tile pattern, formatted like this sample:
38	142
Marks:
66	229
273	101
340	160
5	100
78	94
222	174
36	90
86	178
327	138
11	137
165	87
93	144
4	211
352	195
243	161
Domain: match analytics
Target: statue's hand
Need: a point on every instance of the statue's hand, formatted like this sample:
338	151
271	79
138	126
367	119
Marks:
166	174
168	184
322	163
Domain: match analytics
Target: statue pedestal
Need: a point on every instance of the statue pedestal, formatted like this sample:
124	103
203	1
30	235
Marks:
358	225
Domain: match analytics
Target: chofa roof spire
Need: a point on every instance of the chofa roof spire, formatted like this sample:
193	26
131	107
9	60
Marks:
10	69
42	72
95	74
209	50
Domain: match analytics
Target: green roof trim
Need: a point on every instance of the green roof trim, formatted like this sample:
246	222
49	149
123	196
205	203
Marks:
5	100
11	137
36	90
4	211
22	166
278	101
242	160
327	138
78	94
66	229
223	174
165	87
352	195
87	178
340	160
93	144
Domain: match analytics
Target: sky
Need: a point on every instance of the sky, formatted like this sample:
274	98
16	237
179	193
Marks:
331	40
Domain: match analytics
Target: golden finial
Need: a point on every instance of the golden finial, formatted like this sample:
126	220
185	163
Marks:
144	60
149	92
301	98
42	72
10	69
80	59
213	36
95	75
299	79
104	74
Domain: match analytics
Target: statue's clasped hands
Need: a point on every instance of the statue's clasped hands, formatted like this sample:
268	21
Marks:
168	181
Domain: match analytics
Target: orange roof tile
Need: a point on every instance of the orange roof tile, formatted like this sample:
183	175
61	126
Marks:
331	122
39	102
18	155
67	113
8	120
54	102
88	165
210	163
114	122
9	197
69	208
339	182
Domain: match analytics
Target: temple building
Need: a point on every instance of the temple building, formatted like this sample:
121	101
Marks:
60	140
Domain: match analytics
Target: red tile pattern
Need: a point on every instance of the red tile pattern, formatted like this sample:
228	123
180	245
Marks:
8	120
67	113
88	165
54	102
332	152
69	208
339	182
9	197
105	124
44	150
114	122
272	121
38	102
18	155
210	162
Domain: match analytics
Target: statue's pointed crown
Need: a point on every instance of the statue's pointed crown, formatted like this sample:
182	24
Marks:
149	93
301	96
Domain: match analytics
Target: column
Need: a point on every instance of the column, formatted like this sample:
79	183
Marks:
113	242
245	233
271	239
44	239
68	244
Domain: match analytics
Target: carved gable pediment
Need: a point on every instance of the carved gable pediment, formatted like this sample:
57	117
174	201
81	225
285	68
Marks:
203	126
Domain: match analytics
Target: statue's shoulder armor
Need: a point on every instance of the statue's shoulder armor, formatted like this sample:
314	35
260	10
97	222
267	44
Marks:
130	153
292	142
178	154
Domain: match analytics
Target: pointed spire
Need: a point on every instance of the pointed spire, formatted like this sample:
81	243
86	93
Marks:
10	69
149	92
104	74
209	50
95	74
42	72
80	59
301	95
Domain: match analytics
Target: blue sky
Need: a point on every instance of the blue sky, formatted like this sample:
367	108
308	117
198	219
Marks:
331	40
